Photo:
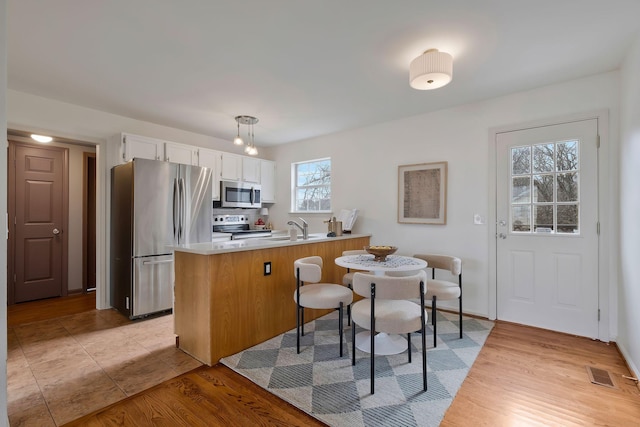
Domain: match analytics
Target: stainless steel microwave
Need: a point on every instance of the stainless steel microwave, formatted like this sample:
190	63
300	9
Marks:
235	194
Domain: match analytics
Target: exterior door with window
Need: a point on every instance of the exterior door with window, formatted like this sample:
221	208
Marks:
547	227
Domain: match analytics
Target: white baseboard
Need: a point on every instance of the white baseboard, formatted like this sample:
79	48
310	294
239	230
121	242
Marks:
454	309
627	358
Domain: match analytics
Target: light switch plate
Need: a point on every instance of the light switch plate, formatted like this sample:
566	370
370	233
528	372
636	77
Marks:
478	219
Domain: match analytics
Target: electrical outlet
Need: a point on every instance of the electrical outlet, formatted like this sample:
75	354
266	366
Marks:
267	268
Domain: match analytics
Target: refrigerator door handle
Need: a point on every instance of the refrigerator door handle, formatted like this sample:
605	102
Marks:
166	261
176	213
182	211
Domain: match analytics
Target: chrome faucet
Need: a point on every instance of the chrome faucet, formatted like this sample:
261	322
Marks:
304	228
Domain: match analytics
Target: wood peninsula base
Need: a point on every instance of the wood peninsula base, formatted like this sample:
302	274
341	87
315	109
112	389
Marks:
224	302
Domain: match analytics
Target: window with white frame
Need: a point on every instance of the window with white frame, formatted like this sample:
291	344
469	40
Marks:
311	186
545	184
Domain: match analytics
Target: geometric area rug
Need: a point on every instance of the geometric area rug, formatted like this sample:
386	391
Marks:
330	389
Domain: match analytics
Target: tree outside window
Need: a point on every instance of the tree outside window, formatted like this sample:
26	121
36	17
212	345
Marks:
545	187
311	186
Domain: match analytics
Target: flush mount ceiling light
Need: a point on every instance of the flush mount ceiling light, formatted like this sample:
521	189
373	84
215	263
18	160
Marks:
431	70
249	121
41	138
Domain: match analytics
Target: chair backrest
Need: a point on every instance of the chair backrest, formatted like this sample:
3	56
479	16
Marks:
310	269
354	252
402	273
390	287
443	262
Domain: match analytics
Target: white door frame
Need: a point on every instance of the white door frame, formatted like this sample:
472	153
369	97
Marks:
606	293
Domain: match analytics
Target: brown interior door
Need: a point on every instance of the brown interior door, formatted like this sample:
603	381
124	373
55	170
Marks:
89	223
39	242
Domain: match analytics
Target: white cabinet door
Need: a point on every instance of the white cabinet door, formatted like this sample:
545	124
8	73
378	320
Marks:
231	167
141	147
212	159
180	153
268	180
251	169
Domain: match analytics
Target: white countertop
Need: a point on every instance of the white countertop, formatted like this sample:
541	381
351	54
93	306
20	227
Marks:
220	236
212	248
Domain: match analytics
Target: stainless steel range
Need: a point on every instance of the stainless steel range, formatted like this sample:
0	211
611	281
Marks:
238	226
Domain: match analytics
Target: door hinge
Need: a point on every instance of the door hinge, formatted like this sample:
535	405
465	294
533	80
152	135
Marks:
14	278
598	315
598	141
598	228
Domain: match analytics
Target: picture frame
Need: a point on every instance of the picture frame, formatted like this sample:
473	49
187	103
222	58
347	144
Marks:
422	193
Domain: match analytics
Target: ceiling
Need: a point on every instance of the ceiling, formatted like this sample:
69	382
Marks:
305	69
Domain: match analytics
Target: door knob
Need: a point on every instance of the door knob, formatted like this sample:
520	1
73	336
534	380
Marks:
502	236
56	231
502	223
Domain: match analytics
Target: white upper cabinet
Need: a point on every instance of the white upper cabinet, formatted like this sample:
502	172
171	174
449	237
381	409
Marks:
268	181
251	169
231	167
141	147
212	159
180	153
223	165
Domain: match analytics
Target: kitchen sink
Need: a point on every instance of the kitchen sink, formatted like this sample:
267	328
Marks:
282	238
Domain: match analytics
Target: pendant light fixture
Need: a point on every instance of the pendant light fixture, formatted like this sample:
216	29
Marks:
237	140
431	70
249	121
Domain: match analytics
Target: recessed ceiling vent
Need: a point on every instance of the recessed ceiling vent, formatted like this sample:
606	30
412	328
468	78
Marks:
600	377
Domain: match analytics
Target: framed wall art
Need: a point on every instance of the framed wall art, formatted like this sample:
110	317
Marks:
422	193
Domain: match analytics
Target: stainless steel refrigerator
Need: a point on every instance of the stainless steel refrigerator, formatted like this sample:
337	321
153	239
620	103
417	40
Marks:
154	205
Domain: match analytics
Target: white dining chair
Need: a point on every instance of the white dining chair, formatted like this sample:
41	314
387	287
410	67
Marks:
388	307
443	288
347	279
310	293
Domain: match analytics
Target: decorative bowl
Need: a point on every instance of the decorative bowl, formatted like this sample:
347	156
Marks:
380	252
259	226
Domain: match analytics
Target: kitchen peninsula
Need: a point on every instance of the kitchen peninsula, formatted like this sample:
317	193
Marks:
232	295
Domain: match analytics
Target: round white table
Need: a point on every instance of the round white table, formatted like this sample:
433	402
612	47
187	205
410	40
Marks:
392	263
386	344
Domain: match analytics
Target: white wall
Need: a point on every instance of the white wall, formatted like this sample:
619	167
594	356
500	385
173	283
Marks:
629	284
365	166
34	113
4	420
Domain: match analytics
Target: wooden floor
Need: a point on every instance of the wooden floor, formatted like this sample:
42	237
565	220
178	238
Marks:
47	309
214	396
523	376
526	376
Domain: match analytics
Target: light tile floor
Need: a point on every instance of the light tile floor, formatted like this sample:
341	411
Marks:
61	369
